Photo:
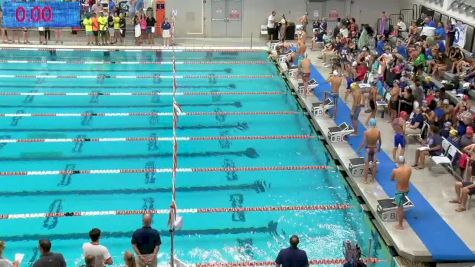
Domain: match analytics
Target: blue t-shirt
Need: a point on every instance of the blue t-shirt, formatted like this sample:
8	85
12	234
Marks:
418	118
292	257
146	239
111	5
439	113
166	26
402	50
440	32
432	24
441	45
380	47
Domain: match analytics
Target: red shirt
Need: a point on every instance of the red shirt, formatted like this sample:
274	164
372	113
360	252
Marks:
95	25
361	71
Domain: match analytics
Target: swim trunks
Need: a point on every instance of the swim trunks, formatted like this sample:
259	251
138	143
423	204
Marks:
400	198
371	152
372	105
399	139
335	97
356	114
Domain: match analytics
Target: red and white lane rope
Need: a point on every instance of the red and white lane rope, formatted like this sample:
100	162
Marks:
166	211
272	263
139	93
32	76
158	139
85	62
150	114
114	49
166	170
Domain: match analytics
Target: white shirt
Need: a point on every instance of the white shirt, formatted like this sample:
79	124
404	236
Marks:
100	252
402	26
5	263
344	32
270	21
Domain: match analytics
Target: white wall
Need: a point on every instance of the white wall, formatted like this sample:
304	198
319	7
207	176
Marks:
255	12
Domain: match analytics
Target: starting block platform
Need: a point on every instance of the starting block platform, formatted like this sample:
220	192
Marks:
387	208
320	108
356	166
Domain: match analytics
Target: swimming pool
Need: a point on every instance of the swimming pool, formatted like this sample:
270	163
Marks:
118	95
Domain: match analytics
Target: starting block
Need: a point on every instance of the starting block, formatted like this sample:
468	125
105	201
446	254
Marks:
320	108
338	133
356	167
387	208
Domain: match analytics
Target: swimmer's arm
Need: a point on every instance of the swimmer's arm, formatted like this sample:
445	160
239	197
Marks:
363	143
380	142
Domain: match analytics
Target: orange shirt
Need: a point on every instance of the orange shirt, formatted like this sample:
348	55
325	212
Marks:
95	25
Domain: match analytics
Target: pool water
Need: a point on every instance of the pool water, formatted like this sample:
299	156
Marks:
206	237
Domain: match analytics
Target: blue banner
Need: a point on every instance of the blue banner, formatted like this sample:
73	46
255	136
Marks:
41	14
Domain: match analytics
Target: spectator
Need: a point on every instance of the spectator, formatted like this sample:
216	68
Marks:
100	252
48	258
95	28
146	243
271	29
432	147
282	29
407	101
137	31
292	256
401	49
304	21
380	45
87	22
122	26
3	30
416	123
402	27
116	27
467	138
103	23
166	32
382	26
151	28
465	188
3	261
440	31
143	26
129	259
457	57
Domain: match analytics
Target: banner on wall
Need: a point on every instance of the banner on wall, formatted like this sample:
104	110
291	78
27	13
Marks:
44	14
460	34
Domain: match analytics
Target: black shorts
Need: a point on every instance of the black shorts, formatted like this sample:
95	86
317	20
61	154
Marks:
104	33
122	33
96	33
372	105
271	31
393	105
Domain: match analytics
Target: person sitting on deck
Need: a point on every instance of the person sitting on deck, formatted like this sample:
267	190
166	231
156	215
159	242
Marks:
465	188
433	147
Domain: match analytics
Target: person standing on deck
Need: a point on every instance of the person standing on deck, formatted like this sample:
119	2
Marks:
356	106
401	175
304	70
292	256
372	143
146	243
335	81
271	31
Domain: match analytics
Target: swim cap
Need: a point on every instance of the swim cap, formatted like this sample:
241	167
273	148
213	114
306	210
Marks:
335	72
401	159
469	130
453	133
446	101
372	122
466	85
354	86
354	64
403	114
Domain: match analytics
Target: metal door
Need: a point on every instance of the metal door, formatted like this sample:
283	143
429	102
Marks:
226	18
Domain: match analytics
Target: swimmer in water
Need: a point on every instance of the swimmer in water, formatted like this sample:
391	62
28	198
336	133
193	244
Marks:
372	142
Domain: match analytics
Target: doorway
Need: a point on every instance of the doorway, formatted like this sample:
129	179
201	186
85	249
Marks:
226	18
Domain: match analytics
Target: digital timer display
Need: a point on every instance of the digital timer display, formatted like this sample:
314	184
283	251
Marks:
35	14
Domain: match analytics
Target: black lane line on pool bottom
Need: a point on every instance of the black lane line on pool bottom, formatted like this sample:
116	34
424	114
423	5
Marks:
242	126
271	229
257	186
236	104
249	152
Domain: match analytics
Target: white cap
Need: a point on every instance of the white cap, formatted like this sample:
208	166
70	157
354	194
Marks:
335	72
444	82
354	64
446	101
466	85
401	160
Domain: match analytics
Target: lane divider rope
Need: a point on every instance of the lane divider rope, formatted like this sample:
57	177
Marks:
138	93
160	139
27	76
272	263
142	49
149	114
85	62
166	170
181	211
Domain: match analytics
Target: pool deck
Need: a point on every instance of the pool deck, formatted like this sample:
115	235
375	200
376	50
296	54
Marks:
436	186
